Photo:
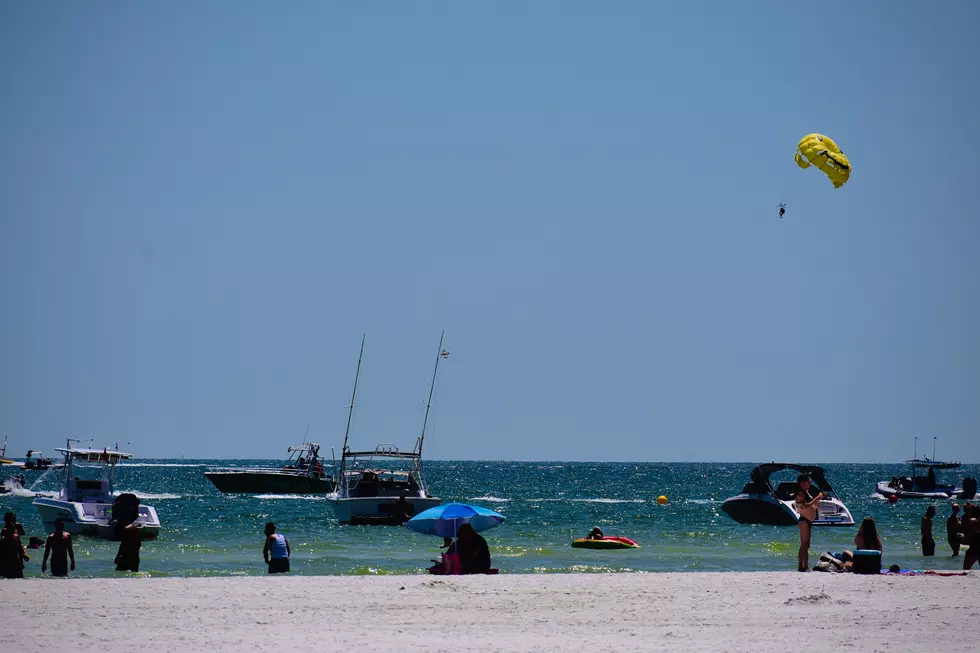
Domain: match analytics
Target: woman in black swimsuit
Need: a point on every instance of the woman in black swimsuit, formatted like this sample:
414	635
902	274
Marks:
807	508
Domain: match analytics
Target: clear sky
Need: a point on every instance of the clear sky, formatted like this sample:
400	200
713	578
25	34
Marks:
204	205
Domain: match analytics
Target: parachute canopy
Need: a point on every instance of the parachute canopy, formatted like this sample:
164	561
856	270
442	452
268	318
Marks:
820	151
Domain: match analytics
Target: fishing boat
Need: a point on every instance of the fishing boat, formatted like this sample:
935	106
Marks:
86	505
926	486
762	503
302	473
384	485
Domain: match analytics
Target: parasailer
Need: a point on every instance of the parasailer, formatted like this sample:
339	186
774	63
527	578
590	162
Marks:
822	153
782	210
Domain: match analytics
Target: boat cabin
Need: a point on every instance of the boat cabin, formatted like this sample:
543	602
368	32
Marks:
90	490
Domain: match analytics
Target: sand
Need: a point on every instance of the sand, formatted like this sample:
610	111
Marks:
542	613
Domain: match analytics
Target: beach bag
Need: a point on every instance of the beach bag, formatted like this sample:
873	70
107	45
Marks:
451	564
828	562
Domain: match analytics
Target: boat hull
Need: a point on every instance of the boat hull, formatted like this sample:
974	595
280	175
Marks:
251	482
767	510
377	510
92	518
946	492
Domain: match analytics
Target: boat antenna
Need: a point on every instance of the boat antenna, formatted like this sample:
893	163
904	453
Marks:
306	434
915	448
353	394
934	448
428	404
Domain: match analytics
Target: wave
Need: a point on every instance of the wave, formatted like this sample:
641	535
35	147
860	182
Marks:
490	499
703	501
299	497
150	495
601	500
161	465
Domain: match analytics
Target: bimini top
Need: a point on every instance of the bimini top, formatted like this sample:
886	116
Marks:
761	474
935	464
96	456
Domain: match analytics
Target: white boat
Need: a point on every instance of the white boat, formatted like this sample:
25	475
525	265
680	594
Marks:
926	486
383	486
761	503
86	504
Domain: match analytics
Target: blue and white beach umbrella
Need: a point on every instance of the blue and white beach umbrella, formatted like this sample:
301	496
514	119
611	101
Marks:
446	519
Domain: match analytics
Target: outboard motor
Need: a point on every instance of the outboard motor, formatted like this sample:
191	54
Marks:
969	488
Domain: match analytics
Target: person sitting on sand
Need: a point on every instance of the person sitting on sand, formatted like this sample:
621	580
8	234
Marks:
595	534
276	551
807	508
60	549
867	536
474	554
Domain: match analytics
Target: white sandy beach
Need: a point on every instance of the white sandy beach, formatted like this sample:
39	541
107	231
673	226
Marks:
542	613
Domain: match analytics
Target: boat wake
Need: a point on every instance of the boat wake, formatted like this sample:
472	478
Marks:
149	495
295	497
160	465
16	490
490	499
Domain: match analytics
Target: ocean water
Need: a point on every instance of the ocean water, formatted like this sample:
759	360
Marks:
547	505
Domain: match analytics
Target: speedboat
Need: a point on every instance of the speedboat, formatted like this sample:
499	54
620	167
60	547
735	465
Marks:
38	463
926	486
12	483
762	503
383	486
86	505
302	473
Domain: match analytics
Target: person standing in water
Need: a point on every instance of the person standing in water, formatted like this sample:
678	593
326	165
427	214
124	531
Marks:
928	543
130	542
276	550
807	508
59	548
953	530
12	553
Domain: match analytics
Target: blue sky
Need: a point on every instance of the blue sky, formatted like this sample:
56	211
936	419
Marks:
203	207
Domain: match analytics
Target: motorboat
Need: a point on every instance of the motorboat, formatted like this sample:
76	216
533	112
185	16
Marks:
38	463
302	473
382	486
762	502
6	462
12	483
926	486
86	505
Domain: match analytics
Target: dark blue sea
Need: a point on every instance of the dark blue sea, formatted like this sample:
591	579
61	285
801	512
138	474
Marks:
547	505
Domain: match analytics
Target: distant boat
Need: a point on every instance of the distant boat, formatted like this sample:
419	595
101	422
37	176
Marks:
39	463
761	503
87	505
302	473
4	461
927	486
383	486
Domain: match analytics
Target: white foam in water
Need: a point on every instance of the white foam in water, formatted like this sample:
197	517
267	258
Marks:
703	501
159	465
608	500
148	495
490	499
300	497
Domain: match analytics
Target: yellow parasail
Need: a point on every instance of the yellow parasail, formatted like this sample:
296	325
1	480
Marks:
822	152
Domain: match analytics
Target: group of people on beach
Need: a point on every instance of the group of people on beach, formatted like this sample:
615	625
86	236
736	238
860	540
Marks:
468	553
960	531
58	548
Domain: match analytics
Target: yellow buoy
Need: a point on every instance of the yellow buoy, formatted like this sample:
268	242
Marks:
662	500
